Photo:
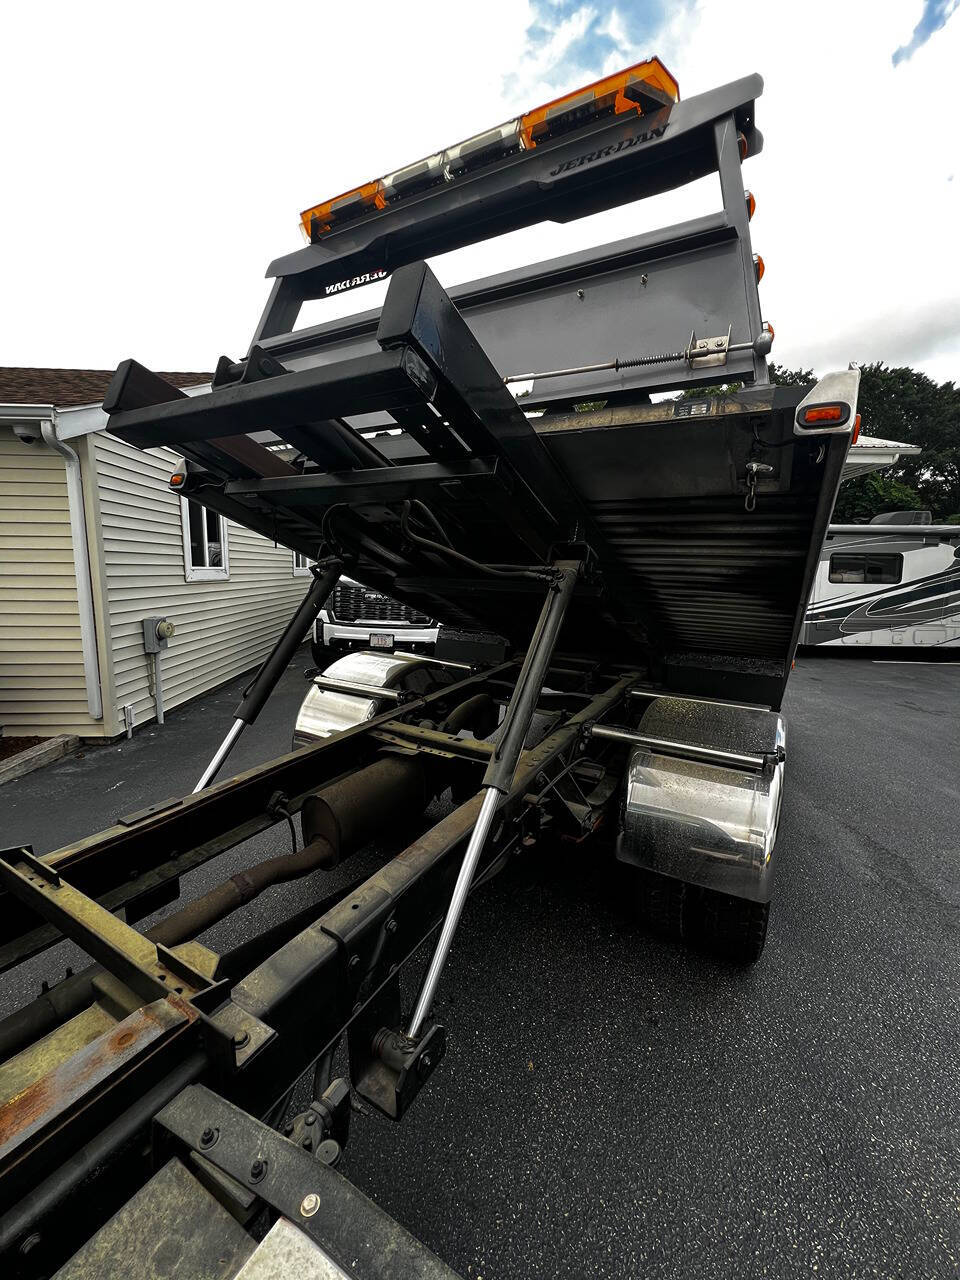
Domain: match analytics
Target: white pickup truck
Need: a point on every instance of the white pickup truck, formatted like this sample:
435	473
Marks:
360	618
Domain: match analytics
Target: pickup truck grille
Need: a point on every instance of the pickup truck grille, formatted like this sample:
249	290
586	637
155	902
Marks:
353	603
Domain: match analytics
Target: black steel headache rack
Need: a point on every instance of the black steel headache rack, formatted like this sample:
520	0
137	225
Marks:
374	437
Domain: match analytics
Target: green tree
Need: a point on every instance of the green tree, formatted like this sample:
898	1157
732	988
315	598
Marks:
791	377
905	405
861	499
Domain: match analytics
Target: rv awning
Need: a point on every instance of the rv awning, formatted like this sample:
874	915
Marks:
872	454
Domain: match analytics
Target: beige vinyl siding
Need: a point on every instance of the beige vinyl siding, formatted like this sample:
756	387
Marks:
42	688
224	626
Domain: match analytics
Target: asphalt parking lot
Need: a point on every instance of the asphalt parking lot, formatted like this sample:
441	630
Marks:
612	1106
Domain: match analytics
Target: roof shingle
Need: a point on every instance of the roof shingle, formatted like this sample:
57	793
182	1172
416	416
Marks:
66	387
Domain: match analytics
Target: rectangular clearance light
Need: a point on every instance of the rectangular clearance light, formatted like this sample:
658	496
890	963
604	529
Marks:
646	87
824	415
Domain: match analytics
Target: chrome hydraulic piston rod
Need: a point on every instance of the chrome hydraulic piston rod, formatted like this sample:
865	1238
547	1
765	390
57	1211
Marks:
684	750
326	574
498	778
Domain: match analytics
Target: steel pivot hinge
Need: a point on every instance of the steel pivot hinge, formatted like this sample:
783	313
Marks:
702	353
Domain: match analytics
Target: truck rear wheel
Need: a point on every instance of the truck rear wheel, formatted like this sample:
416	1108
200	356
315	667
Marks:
729	928
732	929
662	902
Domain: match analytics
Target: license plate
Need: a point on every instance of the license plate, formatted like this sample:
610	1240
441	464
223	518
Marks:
381	640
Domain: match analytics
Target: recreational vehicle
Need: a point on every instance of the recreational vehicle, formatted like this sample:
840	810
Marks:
894	581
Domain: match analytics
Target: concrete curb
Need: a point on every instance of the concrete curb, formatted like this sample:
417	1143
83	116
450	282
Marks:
36	757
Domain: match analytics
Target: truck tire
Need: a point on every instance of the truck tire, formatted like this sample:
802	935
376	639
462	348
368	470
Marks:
732	929
662	904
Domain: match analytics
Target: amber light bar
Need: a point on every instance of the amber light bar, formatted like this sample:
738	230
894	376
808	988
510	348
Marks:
646	87
322	217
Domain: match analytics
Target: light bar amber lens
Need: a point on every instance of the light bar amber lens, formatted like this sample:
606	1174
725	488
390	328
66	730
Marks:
751	204
618	93
323	217
758	267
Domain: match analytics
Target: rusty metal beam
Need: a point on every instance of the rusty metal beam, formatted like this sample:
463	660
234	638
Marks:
132	859
304	990
149	969
311	990
413	736
76	1094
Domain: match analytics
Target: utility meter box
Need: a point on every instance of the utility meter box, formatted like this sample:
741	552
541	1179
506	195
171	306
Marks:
156	634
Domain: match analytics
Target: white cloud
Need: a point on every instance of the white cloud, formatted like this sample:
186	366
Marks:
157	160
856	218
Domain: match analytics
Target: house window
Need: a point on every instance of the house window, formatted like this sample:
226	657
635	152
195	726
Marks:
301	565
204	543
876	569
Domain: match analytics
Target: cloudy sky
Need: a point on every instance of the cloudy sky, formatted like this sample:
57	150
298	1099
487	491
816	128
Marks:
157	156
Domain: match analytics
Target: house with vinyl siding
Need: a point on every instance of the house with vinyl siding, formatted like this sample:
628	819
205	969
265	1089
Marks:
92	542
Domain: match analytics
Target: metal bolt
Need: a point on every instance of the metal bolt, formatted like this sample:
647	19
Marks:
579	293
391	925
309	1205
207	1137
241	1038
310	1118
258	1169
307	1143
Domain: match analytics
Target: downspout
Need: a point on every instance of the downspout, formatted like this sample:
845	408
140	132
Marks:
81	560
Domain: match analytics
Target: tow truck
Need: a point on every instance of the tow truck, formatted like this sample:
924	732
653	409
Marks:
621	577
